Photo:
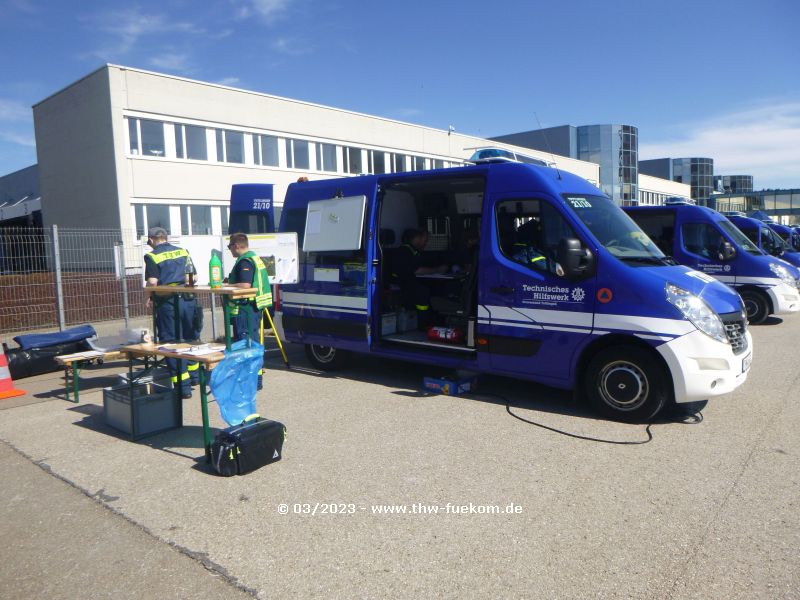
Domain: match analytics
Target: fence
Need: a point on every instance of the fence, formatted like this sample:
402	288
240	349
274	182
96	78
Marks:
61	277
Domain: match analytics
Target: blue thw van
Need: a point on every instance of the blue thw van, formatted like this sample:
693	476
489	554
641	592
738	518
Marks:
787	234
703	239
604	312
765	236
252	208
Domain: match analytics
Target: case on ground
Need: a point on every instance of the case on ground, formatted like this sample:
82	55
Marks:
141	410
247	447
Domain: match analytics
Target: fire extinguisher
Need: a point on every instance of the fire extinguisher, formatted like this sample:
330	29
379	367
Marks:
451	335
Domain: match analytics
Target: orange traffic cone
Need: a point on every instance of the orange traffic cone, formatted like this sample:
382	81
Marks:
7	389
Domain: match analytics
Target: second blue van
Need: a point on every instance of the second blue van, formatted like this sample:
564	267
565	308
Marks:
703	239
562	287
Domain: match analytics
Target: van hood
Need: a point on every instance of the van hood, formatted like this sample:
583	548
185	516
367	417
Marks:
716	294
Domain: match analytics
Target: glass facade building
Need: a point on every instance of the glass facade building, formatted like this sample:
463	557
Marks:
733	184
697	172
616	149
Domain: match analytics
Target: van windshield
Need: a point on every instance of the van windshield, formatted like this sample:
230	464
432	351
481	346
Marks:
738	238
618	233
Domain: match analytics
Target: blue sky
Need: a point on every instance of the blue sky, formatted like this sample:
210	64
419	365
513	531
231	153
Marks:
698	78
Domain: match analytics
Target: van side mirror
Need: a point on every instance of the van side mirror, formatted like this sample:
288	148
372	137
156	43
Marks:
576	260
726	251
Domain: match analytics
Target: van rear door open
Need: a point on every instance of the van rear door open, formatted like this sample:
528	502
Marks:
331	300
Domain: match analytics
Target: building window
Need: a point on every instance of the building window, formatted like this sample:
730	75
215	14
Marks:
230	146
223	211
190	142
138	211
158	216
297	156
201	220
133	135
185	220
399	163
265	150
326	158
438	163
377	162
419	163
352	161
152	137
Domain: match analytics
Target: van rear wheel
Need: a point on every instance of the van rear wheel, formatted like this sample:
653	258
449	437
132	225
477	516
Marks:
626	383
756	305
326	358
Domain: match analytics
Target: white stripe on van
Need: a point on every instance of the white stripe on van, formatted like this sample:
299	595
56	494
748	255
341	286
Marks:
324	300
644	324
326	308
759	280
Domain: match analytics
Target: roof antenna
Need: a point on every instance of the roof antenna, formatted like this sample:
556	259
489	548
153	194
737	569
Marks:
547	141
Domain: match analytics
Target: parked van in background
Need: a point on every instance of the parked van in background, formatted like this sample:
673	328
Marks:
597	307
703	239
765	236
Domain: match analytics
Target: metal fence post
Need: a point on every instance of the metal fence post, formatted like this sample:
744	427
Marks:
120	252
59	289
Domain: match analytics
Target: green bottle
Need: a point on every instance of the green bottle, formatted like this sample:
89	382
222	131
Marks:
215	271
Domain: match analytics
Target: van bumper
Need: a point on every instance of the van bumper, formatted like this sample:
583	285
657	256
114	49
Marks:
785	298
702	368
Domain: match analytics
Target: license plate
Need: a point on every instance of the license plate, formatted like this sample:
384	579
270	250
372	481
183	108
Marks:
746	362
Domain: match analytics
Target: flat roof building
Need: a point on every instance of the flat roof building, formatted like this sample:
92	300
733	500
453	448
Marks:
125	148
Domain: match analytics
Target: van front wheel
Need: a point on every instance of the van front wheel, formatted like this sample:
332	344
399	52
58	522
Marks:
628	384
756	305
326	358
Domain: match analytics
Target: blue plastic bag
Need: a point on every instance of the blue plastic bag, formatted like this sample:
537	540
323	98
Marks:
234	380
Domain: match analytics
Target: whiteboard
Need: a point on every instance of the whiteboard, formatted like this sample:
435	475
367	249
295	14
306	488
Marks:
277	250
335	224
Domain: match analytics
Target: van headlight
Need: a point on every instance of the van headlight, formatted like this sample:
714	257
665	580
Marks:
695	309
782	273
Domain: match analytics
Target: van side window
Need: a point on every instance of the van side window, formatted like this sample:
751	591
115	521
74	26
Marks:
659	227
702	239
528	232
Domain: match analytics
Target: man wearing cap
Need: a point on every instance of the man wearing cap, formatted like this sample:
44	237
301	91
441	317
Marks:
170	265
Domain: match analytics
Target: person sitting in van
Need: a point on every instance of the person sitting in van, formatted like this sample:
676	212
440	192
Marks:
407	264
530	250
466	258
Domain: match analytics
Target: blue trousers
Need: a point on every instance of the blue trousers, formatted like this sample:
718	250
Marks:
247	324
171	331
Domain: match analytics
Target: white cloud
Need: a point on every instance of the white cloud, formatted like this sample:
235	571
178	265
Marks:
763	141
18	138
291	46
171	61
11	110
127	26
229	81
407	113
268	10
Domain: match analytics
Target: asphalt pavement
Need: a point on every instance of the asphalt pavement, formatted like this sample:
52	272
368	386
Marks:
386	491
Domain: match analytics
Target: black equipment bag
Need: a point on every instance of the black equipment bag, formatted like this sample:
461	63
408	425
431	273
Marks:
247	447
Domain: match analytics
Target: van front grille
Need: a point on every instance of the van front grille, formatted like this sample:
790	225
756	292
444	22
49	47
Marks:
735	328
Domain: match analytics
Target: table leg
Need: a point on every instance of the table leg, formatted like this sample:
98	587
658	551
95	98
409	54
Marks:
66	382
226	311
204	409
76	373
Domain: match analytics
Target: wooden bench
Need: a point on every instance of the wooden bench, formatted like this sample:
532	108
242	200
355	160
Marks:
73	363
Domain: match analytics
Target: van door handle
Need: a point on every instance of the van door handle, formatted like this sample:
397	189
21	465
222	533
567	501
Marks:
502	289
